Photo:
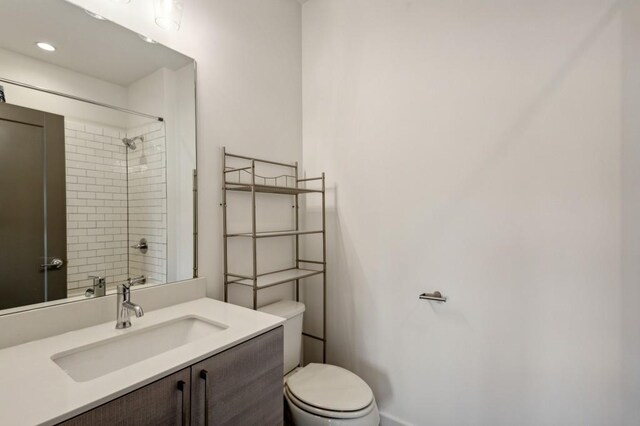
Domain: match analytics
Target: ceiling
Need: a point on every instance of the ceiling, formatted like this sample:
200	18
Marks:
84	44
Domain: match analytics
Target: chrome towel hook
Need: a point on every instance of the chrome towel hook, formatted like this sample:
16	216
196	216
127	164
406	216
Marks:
436	295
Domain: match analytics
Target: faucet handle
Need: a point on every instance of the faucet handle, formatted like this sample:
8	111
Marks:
98	281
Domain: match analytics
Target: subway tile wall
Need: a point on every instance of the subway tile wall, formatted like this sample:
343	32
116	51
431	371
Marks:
97	177
148	202
96	204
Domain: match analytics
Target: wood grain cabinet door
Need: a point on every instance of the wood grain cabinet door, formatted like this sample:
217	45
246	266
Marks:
165	402
241	386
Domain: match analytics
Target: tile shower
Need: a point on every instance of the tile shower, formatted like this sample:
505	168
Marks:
147	183
115	197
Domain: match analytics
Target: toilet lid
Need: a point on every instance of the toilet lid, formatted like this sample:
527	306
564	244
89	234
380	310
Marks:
330	388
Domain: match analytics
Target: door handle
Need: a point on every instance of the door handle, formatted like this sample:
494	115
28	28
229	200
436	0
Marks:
183	412
204	375
55	263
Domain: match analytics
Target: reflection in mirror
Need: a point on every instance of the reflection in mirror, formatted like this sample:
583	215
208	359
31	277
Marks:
97	157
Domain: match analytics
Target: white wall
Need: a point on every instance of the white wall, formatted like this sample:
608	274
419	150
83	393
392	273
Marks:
180	176
15	66
473	148
630	213
249	90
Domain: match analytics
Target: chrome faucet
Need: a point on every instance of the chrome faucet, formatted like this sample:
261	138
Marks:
125	306
99	287
137	280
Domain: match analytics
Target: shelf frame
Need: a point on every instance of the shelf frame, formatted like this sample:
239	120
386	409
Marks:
272	189
301	273
275	234
295	192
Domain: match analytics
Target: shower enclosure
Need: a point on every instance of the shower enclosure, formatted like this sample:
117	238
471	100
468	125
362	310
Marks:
121	234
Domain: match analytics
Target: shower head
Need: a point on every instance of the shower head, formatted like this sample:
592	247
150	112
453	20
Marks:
131	142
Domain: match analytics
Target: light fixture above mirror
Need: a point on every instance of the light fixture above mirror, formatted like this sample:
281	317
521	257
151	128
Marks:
168	13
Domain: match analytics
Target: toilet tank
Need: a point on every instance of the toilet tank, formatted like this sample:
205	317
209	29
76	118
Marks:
292	312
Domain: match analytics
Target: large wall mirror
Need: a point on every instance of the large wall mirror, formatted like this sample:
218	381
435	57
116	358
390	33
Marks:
97	157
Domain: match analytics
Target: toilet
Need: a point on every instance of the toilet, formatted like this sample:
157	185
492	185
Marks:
320	394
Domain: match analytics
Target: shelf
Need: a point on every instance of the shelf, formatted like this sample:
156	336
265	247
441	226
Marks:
271	189
281	277
241	175
274	234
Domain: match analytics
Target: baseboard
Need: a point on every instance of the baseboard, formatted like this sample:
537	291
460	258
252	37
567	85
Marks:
389	420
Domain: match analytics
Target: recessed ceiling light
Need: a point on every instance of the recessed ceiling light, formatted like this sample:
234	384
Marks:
45	46
147	39
95	15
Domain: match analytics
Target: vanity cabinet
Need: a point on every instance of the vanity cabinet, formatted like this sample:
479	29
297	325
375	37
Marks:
239	386
165	402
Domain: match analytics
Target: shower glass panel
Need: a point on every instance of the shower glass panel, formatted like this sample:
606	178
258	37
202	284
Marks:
147	202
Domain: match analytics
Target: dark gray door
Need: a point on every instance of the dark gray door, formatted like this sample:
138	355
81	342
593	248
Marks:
32	206
240	386
165	402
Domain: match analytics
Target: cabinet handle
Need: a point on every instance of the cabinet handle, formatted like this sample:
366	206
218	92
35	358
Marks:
204	375
183	413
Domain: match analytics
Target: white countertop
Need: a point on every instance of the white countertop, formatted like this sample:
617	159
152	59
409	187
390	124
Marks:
35	390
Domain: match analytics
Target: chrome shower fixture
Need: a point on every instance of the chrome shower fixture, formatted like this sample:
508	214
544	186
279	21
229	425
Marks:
131	142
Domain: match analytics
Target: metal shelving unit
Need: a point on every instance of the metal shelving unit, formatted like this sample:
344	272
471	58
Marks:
285	184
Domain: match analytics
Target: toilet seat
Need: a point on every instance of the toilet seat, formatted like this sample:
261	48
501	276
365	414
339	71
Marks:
329	391
329	414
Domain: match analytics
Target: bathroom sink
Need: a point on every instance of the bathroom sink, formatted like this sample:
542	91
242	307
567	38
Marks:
97	359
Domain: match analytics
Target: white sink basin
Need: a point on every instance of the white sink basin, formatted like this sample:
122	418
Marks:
97	359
